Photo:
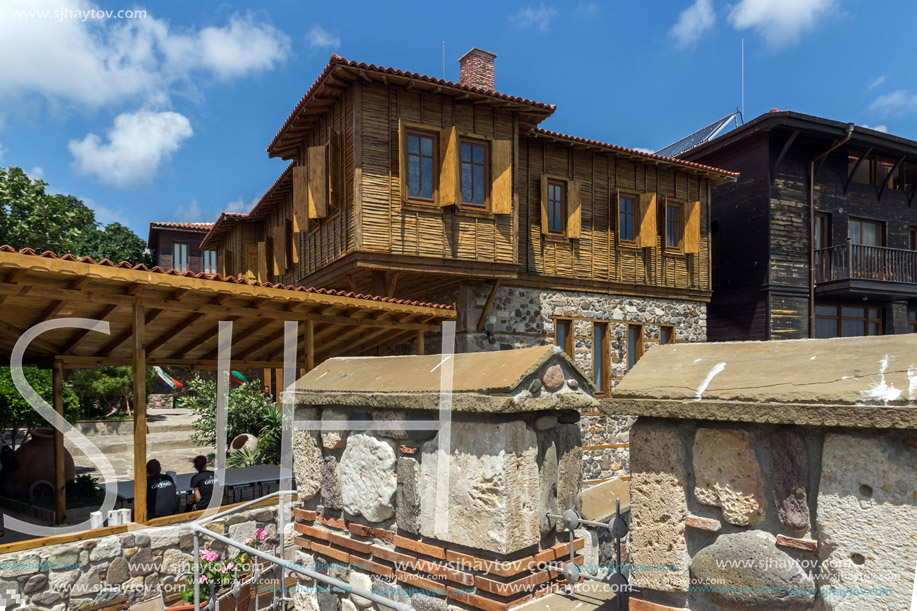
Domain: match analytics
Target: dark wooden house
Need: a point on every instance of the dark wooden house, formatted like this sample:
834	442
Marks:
818	238
401	184
178	246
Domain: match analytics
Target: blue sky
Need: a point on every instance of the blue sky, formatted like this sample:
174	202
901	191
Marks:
167	117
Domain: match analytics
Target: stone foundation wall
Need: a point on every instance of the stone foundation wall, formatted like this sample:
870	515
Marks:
826	516
522	317
75	575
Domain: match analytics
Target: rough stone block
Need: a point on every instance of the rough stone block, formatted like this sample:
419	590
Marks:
727	474
865	517
88	583
333	438
363	581
407	502
331	485
24	564
368	479
174	562
36	583
142	563
658	505
118	572
545	423
307	464
490	499
790	474
773	579
393	418
107	548
569	465
547	484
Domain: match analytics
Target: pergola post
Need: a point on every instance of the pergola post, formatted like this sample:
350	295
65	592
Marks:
310	345
139	365
60	483
420	347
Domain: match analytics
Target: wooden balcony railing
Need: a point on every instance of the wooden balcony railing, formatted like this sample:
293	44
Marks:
860	262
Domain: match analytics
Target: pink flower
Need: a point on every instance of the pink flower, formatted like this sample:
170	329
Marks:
209	555
203	579
223	570
230	566
246	541
261	534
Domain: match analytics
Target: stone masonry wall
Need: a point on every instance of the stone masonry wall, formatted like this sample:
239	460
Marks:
826	515
522	317
75	575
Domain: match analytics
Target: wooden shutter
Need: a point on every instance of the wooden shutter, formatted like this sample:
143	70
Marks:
646	221
228	267
251	261
334	173
280	251
501	166
574	209
402	160
318	183
300	198
449	177
544	205
262	262
692	227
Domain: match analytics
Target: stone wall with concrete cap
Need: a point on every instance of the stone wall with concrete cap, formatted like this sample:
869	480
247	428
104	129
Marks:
390	485
745	508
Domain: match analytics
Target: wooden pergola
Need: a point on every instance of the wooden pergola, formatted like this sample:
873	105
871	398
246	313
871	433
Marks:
171	318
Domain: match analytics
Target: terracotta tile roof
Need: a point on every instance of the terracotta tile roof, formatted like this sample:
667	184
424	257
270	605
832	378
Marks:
268	198
218	278
175	225
615	147
337	60
224	218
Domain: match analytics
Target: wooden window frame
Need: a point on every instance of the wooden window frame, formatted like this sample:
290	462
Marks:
187	259
568	342
605	347
825	228
840	318
422	133
671	329
861	220
680	205
463	140
562	185
640	341
633	195
213	255
912	324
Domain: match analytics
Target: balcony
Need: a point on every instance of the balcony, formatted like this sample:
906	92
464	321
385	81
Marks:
857	269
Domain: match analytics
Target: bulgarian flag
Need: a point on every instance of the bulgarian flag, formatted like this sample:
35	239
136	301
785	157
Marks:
166	378
238	377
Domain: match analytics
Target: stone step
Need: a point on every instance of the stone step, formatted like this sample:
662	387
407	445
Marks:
124	444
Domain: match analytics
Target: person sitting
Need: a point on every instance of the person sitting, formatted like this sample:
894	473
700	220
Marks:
202	484
161	496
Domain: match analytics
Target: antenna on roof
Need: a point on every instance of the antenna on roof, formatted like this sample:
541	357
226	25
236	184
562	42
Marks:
444	60
742	112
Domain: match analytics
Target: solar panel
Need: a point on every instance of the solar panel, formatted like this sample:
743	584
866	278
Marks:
704	134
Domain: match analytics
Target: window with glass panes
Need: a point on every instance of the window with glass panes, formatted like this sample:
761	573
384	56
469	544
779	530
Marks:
474	173
556	206
627	218
600	365
666	335
563	335
421	157
847	321
673	226
210	261
912	321
634	344
180	257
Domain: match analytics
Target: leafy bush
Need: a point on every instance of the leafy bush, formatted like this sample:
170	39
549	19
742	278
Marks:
105	389
243	457
16	413
245	413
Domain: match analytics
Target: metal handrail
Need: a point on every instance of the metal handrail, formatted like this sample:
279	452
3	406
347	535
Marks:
200	529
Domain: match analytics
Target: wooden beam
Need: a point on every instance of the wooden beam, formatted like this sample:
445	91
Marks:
205	337
889	177
170	334
856	167
352	283
14	333
420	346
386	344
125	335
81	335
309	335
60	479
391	286
783	152
139	371
490	299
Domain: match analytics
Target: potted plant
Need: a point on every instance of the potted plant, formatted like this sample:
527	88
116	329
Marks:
219	575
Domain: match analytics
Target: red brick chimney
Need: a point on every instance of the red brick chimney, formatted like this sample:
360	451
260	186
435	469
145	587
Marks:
477	69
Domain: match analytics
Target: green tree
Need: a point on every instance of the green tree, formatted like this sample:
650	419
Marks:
32	218
106	389
17	414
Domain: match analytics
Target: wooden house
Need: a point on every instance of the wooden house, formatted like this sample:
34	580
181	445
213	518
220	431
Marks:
178	246
405	185
818	238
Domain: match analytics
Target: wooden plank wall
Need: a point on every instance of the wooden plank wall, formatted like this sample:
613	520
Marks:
390	227
595	255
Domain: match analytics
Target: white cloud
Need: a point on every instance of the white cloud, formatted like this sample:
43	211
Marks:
3	151
780	22
137	144
36	172
896	103
240	205
539	17
876	82
192	213
587	9
693	22
878	128
643	149
318	37
106	215
99	62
